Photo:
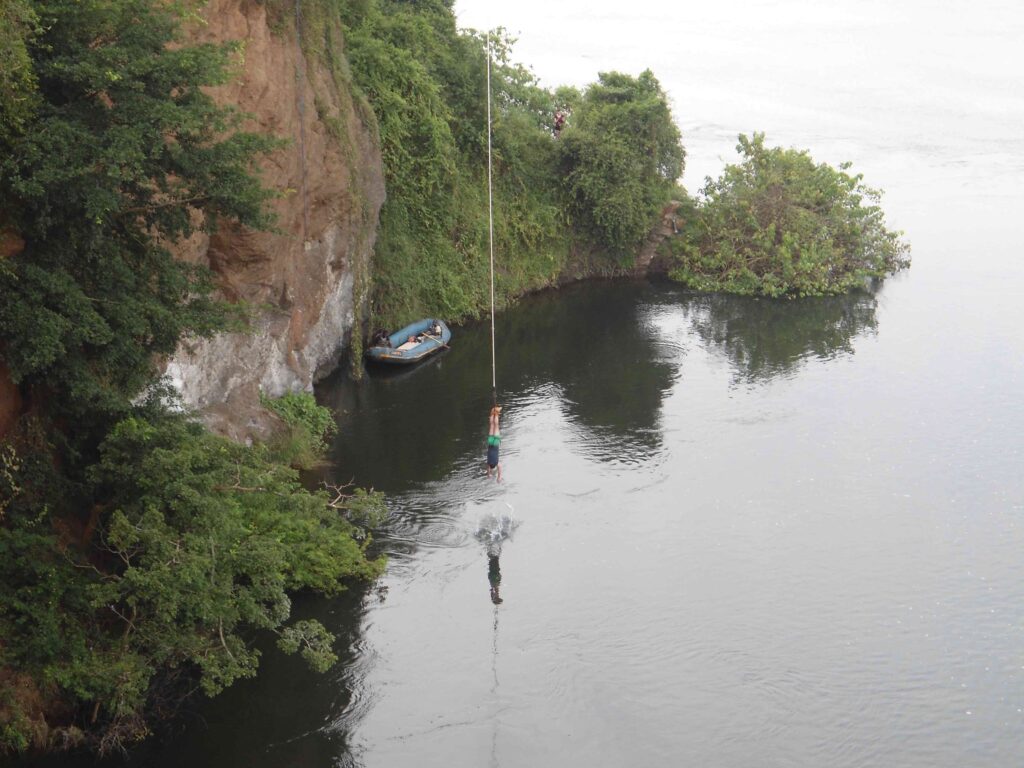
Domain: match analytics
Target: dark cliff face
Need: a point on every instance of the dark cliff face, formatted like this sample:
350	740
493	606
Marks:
10	401
307	283
11	244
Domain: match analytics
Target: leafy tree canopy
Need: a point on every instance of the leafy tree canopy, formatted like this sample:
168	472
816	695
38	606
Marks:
17	80
197	542
138	552
426	82
779	224
621	157
603	183
122	155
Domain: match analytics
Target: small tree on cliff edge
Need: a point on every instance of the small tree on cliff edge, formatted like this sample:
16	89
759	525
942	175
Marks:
621	157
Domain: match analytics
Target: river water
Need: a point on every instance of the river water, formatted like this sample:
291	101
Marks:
731	531
749	532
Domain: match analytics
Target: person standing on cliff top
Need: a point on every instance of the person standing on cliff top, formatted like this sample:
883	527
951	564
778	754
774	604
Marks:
493	441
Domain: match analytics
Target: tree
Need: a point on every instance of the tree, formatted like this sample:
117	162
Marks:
779	224
197	543
136	548
122	155
17	80
621	156
426	82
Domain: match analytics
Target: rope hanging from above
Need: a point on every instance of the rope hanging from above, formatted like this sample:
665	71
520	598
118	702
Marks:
300	97
490	226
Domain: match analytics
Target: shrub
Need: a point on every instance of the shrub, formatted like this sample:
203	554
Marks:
779	224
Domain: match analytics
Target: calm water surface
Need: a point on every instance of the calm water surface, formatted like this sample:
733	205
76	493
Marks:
746	532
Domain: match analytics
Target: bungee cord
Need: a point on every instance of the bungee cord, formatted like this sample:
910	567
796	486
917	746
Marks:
490	226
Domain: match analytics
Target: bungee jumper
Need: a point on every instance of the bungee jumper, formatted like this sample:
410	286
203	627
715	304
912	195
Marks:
494	443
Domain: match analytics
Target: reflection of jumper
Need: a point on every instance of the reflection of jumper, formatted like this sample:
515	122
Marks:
494	577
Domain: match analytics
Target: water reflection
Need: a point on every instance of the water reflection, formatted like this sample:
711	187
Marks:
765	338
606	363
606	353
493	530
591	345
494	577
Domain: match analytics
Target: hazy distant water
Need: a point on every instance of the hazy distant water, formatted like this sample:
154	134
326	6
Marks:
749	533
916	93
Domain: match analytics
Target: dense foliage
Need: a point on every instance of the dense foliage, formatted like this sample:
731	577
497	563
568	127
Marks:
309	426
17	81
599	187
138	553
426	84
196	542
122	154
779	224
621	158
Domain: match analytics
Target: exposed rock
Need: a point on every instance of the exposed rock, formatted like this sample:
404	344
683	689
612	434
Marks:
666	227
11	244
10	401
307	284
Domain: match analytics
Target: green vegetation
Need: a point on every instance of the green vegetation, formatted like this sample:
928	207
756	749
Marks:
779	224
122	154
597	188
17	79
139	554
309	427
194	542
621	158
426	84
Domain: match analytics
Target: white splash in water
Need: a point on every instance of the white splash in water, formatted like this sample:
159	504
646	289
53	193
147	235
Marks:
494	528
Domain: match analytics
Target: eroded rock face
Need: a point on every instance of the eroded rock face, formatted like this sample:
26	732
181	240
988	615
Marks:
307	284
667	226
10	401
11	244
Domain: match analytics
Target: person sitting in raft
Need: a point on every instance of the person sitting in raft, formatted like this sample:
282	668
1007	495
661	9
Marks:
493	441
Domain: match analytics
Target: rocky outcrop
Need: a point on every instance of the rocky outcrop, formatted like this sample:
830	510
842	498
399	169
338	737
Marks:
10	401
667	226
307	283
11	244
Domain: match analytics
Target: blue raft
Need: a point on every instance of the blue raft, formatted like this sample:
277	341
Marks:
411	344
